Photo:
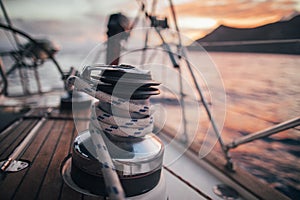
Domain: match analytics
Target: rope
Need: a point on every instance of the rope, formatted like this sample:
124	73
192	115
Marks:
111	179
121	126
134	106
118	117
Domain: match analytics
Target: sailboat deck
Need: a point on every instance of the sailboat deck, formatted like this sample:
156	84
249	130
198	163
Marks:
187	177
50	146
42	180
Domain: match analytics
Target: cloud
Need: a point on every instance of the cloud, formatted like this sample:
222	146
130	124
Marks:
242	13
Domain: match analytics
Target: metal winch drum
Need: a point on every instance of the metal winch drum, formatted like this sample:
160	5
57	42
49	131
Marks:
123	121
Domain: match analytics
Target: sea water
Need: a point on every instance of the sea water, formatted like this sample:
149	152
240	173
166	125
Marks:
263	90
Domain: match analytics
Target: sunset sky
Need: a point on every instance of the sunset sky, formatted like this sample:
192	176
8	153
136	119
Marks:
196	17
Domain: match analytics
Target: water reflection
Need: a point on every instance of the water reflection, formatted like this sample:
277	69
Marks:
262	90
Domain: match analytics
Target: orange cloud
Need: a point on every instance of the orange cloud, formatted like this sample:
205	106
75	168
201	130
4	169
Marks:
238	13
235	13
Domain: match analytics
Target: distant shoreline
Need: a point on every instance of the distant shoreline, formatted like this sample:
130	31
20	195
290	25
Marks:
260	46
282	37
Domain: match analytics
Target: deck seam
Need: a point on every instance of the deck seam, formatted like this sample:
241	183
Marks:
34	158
50	161
24	132
187	183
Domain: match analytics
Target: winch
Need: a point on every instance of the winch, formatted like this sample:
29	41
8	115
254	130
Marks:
118	156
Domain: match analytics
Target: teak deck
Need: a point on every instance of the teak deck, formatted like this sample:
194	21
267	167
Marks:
42	179
185	179
47	151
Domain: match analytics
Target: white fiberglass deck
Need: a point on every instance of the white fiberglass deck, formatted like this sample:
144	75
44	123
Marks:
188	177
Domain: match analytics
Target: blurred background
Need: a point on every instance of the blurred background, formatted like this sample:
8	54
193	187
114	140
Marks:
262	87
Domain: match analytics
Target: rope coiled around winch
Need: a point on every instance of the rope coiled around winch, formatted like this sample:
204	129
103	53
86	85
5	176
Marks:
118	125
118	117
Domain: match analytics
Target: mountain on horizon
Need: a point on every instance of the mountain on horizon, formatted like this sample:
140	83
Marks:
278	37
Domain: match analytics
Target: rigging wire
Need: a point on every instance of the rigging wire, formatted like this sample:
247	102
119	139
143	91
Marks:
10	40
9	24
199	90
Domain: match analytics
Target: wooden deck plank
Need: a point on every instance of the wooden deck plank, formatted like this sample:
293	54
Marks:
35	176
6	132
9	135
13	180
8	144
48	189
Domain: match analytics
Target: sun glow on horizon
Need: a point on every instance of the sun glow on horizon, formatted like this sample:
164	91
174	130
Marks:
197	22
206	15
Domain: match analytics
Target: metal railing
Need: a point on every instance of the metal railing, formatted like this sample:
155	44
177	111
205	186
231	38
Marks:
292	123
